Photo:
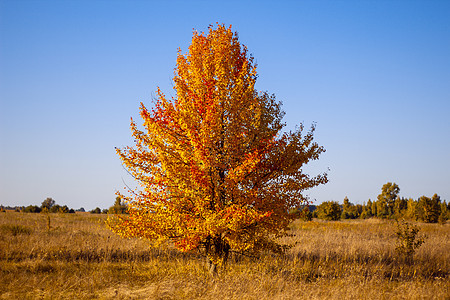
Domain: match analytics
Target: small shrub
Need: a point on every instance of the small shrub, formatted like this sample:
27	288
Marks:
407	240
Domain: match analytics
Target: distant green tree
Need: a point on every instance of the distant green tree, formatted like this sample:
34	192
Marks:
369	207
411	209
385	200
32	209
359	210
400	207
374	208
367	210
63	209
429	209
365	213
349	210
118	208
329	210
96	210
306	214
55	208
48	203
345	214
444	216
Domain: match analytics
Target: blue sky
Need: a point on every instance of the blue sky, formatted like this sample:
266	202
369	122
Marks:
373	75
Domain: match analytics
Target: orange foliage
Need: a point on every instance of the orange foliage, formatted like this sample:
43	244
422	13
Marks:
215	170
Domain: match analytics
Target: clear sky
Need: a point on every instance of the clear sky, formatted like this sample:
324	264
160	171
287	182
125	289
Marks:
373	75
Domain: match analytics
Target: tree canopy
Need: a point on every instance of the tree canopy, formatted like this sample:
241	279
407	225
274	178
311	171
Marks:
385	203
215	170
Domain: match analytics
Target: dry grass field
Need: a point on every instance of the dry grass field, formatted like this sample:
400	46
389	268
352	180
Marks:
77	257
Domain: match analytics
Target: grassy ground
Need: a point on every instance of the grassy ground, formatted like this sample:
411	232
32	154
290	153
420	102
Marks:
73	256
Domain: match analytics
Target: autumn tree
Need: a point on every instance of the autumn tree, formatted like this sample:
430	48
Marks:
216	172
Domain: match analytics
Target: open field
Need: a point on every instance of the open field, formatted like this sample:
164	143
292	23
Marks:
77	257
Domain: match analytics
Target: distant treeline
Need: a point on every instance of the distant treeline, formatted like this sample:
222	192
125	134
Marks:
49	206
387	206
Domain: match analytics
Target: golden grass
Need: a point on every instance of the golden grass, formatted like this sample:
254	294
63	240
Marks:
79	258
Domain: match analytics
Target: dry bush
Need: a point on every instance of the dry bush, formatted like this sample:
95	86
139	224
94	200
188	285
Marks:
408	240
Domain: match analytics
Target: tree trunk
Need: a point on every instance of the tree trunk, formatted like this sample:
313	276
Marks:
218	248
212	267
